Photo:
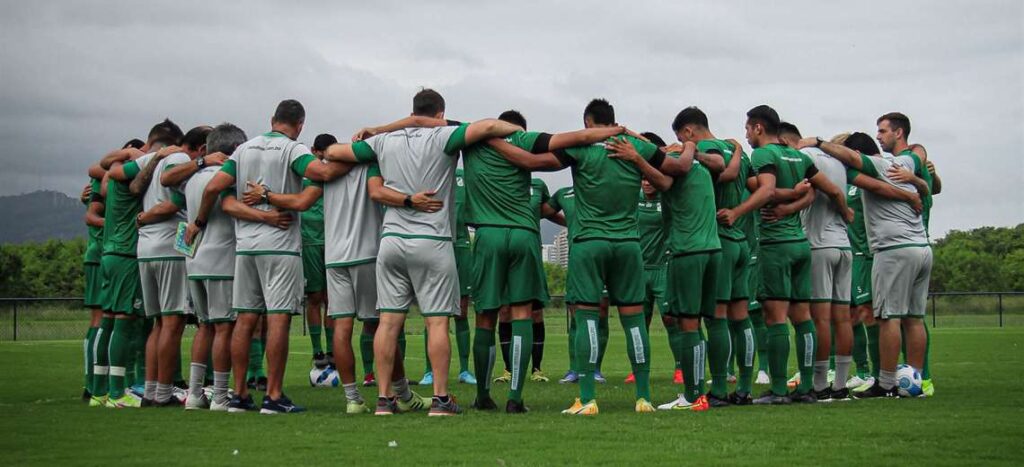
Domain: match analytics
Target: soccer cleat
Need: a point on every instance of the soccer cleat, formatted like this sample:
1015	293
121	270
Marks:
513	406
123	402
320	361
240	405
427	380
831	376
841	395
855	382
416	402
630	379
485	403
824	395
802	398
219	406
927	388
369	380
770	398
443	408
870	381
876	391
138	389
579	408
504	378
386	406
467	378
570	377
677	378
763	378
147	403
740	398
197	403
642	406
680	403
356	407
599	378
173	401
98	401
715	402
793	382
538	376
282	405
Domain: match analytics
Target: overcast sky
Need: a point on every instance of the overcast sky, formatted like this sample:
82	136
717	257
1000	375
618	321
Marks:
78	79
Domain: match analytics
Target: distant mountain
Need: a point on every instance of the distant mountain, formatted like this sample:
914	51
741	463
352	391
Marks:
548	230
40	216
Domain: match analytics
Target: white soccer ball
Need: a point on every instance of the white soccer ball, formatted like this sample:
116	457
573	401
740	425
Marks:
324	378
908	380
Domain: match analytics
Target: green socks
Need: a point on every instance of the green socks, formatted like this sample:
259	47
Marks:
88	355
744	345
860	349
138	352
462	341
587	351
926	372
806	344
520	351
255	360
572	345
315	331
719	349
426	352
120	343
483	360
101	369
329	340
777	336
873	352
602	340
638	348
366	351
693	364
675	343
761	335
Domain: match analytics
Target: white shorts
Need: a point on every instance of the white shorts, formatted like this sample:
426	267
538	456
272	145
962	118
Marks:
831	269
417	268
352	292
211	300
899	282
164	288
268	284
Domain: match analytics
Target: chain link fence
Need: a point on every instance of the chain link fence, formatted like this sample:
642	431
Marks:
24	319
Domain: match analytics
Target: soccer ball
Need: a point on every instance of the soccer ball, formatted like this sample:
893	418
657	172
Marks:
324	378
908	380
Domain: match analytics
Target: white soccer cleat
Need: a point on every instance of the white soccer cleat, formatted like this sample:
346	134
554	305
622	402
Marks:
680	403
219	407
763	378
200	402
855	382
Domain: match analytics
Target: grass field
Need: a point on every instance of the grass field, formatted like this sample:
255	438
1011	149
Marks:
975	418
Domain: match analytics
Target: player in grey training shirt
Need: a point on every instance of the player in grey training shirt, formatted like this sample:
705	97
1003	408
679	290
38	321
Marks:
899	278
416	258
268	269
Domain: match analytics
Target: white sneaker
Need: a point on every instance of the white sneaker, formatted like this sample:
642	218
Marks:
197	403
831	376
219	407
855	382
680	403
179	393
762	378
867	384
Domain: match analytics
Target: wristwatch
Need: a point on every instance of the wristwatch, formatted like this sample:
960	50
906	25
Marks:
200	162
408	201
199	223
265	197
818	141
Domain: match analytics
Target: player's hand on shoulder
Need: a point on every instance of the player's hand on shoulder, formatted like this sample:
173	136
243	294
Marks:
620	148
808	142
900	174
364	133
167	150
253	193
217	158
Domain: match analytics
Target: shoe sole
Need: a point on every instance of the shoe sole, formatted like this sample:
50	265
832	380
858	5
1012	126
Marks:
234	410
441	414
382	414
197	408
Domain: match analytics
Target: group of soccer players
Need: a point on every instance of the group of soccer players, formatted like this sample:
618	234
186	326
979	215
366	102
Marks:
241	233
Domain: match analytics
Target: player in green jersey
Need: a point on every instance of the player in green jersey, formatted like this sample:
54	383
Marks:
313	270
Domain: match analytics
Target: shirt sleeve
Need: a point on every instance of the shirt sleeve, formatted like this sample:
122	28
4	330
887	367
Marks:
555	202
763	161
373	171
178	199
545	195
456	141
131	169
364	152
299	158
566	157
229	168
870	166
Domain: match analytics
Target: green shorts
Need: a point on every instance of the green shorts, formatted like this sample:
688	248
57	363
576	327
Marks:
786	271
508	268
733	279
122	289
596	264
93	286
464	264
313	270
691	284
654	289
861	280
753	281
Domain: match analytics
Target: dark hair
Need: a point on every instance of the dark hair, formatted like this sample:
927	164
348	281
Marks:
165	132
513	117
862	143
789	128
897	121
654	138
224	138
290	112
766	116
134	143
427	103
600	111
323	140
689	116
196	137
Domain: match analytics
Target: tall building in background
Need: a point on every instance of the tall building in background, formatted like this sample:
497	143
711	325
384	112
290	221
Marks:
560	253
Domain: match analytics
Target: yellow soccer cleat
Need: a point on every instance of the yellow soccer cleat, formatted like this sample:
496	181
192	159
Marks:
354	407
579	408
124	402
927	388
539	377
98	401
504	378
642	406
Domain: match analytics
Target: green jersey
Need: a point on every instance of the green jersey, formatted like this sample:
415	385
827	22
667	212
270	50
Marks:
652	231
94	243
790	168
120	236
923	173
312	219
496	189
564	200
461	230
690	213
855	231
606	189
538	195
728	195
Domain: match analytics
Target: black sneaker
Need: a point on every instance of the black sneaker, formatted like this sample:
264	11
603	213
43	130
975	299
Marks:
86	395
716	402
770	398
147	403
282	405
386	406
484	404
877	391
172	401
239	405
824	395
515	407
740	398
802	398
320	360
841	395
443	408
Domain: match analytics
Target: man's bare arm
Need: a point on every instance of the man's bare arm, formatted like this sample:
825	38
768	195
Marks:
97	172
847	156
118	155
549	213
412	121
583	137
732	170
179	173
715	163
327	170
624	150
161	212
780	211
340	152
678	167
301	201
786	195
763	195
482	130
141	181
546	162
93	214
838	197
887	190
423	201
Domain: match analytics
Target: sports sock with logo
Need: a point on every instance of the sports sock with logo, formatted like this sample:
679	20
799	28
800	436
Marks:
806	343
873	351
587	352
744	345
120	340
761	335
887	379
843	363
520	348
572	344
366	351
539	335
352	392
778	356
88	356
163	392
504	337
602	340
860	349
692	350
462	342
220	386
719	350
149	390
675	344
196	375
483	360
820	375
101	349
401	388
315	332
638	349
